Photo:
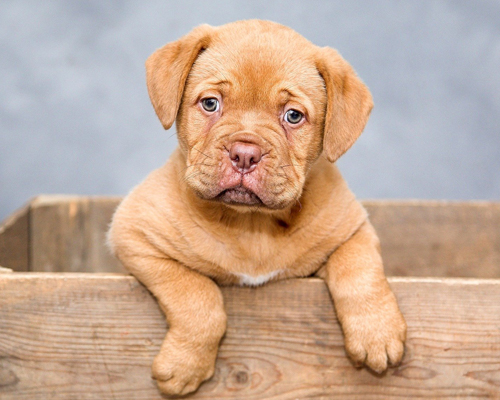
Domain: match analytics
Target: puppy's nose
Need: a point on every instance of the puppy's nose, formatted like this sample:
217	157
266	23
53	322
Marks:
245	156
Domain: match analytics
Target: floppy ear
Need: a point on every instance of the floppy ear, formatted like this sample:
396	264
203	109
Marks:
349	103
167	70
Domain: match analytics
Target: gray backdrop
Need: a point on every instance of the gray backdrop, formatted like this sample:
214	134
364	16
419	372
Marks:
75	116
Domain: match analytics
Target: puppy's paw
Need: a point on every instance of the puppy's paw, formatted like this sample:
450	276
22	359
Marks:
375	340
179	368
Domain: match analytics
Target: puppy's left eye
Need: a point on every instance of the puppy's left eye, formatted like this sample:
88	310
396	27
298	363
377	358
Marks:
293	116
210	104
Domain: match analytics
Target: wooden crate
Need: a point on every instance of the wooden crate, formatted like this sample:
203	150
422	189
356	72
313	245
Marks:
93	336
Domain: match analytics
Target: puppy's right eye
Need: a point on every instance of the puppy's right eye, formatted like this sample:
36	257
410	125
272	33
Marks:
293	116
210	104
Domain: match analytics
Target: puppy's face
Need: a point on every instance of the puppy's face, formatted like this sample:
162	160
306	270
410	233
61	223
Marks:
251	119
254	109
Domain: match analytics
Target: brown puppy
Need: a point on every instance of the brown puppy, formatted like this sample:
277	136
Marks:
252	194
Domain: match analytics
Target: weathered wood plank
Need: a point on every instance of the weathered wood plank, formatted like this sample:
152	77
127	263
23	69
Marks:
93	336
14	240
68	234
99	257
438	238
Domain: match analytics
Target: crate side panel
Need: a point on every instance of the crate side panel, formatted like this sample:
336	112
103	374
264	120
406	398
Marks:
438	238
68	234
14	240
59	232
100	258
85	337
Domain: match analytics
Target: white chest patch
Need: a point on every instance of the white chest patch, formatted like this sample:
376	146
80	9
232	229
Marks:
250	280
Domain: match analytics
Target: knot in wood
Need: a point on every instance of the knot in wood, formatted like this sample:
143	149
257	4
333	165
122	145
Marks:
241	377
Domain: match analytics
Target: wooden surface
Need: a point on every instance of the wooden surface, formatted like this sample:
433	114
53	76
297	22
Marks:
437	238
14	241
94	336
68	234
418	238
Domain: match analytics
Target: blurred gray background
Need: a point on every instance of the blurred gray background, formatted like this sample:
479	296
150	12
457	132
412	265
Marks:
75	116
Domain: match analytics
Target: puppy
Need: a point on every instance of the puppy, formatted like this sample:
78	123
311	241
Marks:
252	194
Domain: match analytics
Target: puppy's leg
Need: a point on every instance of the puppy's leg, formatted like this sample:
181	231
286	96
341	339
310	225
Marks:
195	314
374	328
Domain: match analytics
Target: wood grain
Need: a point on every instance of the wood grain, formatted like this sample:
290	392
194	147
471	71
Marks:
14	240
438	238
68	234
94	336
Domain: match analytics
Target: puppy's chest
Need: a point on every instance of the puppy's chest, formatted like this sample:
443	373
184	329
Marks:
245	251
251	258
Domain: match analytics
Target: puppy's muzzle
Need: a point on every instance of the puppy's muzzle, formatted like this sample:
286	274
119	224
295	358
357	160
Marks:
244	156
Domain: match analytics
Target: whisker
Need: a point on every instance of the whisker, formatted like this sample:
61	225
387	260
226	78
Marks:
194	148
193	175
171	135
200	163
300	205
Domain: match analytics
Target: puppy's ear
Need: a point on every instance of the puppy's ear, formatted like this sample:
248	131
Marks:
167	70
349	103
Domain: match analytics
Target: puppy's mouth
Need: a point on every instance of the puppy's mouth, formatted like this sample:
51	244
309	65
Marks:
239	195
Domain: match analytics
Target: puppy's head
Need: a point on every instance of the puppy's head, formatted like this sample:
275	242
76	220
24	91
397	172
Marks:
255	105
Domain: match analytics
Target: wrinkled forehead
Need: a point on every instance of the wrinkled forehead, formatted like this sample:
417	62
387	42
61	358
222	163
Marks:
259	67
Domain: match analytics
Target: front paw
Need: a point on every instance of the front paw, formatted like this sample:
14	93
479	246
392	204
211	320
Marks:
181	367
375	339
